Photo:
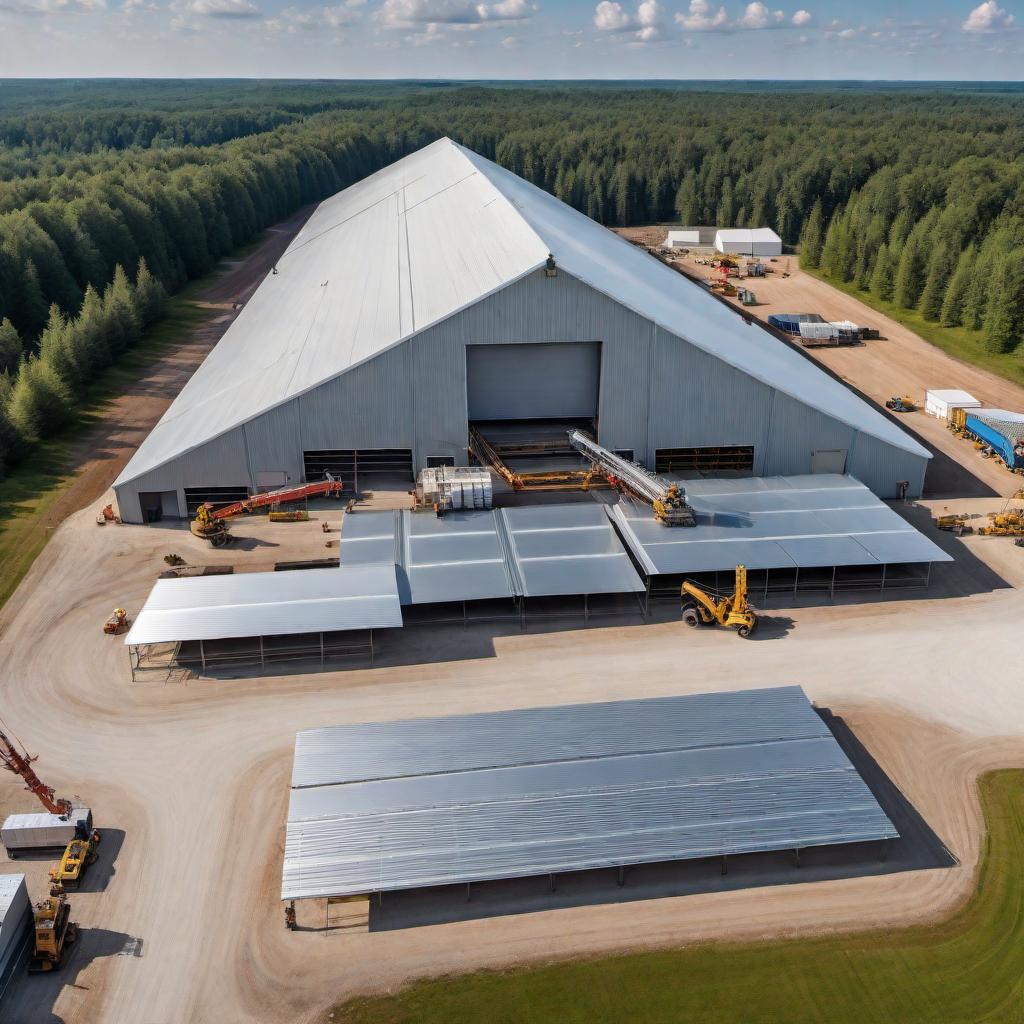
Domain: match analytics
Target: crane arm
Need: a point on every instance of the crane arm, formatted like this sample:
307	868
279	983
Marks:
331	487
20	763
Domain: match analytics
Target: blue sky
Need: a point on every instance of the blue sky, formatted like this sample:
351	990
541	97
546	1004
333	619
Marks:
824	39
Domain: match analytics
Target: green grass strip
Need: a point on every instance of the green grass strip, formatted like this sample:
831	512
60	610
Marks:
968	346
966	968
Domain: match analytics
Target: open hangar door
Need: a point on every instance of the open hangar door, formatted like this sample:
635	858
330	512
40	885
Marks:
541	381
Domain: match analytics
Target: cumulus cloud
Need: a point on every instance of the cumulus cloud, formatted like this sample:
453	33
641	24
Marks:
801	18
644	25
413	13
987	17
702	17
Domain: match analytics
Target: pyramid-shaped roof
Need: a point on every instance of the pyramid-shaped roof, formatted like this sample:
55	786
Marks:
415	243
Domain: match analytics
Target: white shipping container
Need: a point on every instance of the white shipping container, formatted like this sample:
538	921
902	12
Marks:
42	831
939	402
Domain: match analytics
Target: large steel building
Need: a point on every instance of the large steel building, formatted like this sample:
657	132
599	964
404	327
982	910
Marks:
444	291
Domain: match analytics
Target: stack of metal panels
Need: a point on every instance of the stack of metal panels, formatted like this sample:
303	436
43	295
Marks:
819	521
398	805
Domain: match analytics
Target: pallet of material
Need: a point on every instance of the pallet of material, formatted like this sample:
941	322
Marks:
44	831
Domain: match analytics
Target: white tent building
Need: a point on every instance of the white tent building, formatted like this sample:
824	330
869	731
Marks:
445	293
749	241
941	401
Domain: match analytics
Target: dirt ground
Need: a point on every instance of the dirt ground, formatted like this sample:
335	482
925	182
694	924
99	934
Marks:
188	777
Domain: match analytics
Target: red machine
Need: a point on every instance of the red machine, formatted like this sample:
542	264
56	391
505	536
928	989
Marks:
20	762
210	524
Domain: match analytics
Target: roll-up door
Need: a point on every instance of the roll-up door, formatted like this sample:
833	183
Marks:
547	381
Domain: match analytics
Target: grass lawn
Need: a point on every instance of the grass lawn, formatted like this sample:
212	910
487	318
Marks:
32	489
967	968
956	341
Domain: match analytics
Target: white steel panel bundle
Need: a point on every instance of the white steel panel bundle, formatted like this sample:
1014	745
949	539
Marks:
386	806
15	926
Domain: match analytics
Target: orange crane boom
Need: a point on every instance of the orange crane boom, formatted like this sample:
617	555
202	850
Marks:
20	762
330	487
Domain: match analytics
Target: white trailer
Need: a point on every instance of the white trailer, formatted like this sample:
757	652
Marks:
940	402
44	831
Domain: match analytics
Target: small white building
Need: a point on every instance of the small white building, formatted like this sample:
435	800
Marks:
681	240
940	402
748	241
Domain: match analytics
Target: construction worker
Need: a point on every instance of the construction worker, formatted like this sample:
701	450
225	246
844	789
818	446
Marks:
289	917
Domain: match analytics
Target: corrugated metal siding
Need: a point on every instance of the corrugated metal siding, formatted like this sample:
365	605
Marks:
274	442
796	431
880	466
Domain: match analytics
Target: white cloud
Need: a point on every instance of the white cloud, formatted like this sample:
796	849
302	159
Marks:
987	17
801	18
645	25
701	17
510	42
411	13
296	19
754	16
609	16
223	8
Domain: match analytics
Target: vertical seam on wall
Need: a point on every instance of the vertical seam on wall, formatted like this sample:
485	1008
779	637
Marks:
768	435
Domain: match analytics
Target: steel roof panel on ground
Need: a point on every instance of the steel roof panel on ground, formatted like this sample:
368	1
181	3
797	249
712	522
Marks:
268	604
520	793
773	523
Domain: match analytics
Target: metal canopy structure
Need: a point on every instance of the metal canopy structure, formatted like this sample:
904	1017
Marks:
539	551
559	550
397	805
268	604
818	521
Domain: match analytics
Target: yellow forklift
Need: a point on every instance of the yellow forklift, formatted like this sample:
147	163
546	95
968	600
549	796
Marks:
729	610
78	855
54	932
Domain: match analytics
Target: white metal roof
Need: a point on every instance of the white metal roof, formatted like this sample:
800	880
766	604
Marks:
268	604
952	396
748	235
421	240
398	805
816	521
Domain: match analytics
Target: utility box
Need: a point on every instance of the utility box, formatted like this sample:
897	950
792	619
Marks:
44	831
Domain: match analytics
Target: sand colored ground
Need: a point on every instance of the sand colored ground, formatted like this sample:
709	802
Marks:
188	777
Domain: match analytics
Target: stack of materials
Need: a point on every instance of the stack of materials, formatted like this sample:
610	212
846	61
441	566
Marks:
840	332
453	488
15	926
790	323
44	831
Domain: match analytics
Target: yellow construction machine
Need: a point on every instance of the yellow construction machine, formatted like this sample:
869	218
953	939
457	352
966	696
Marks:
78	855
54	932
901	403
730	610
1008	523
955	522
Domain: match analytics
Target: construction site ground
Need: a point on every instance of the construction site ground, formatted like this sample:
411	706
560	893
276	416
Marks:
188	777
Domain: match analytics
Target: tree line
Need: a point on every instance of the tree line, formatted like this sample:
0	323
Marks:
914	195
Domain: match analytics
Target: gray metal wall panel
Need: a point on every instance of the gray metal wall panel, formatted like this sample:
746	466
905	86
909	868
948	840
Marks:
698	400
796	431
368	407
274	443
881	466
